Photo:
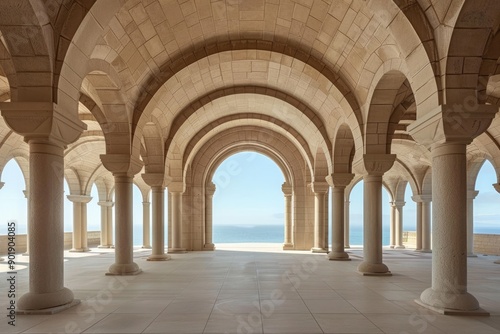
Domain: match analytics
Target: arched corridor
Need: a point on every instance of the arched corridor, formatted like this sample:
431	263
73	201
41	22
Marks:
133	105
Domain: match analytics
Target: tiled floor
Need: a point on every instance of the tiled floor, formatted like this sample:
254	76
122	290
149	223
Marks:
256	289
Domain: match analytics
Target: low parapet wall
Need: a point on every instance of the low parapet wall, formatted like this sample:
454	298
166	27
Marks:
488	244
94	239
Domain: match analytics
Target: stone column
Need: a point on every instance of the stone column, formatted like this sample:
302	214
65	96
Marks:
418	229
158	252
375	165
209	196
319	189
471	195
347	212
338	181
146	231
176	189
110	225
288	193
80	243
47	130
399	225
26	193
392	226
123	167
104	223
426	226
448	130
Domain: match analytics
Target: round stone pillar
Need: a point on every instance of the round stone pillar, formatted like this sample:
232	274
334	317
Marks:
375	165
418	237
146	230
288	193
339	181
471	195
392	226
209	196
47	129
124	247
176	191
449	231
347	212
158	198
426	226
47	293
320	190
399	225
80	240
27	252
104	223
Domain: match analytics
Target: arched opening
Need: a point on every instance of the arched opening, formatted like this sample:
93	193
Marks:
486	214
356	215
248	204
13	203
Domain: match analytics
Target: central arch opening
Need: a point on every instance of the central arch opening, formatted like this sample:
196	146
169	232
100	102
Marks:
248	204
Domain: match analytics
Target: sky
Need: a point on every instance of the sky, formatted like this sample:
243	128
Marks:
248	193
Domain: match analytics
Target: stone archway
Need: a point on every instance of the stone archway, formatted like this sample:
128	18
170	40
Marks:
200	170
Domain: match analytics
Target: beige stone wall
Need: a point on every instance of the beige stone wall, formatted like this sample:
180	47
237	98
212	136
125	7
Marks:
93	241
488	244
410	239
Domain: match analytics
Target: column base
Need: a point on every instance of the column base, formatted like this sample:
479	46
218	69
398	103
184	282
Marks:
391	246
497	262
79	250
288	246
162	257
347	246
208	247
338	256
103	246
50	310
124	269
425	251
450	303
146	247
177	250
399	247
319	250
51	302
471	255
373	269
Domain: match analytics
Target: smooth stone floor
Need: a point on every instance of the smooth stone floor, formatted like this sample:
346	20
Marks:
255	288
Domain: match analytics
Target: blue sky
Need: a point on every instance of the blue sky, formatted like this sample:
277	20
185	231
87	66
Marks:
248	193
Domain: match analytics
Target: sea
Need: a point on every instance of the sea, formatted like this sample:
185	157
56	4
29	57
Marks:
275	234
259	233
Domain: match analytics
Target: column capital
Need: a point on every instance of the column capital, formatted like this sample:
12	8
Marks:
452	123
210	188
42	121
422	198
122	164
153	179
472	194
287	189
376	164
319	187
398	204
146	203
79	198
339	180
106	203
